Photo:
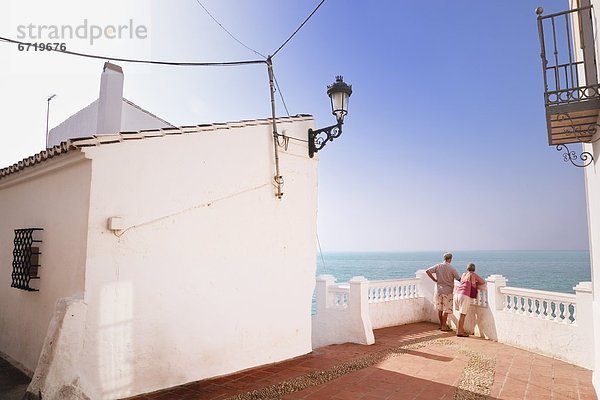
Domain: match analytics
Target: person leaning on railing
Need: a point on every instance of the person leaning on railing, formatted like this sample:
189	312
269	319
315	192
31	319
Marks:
465	291
445	275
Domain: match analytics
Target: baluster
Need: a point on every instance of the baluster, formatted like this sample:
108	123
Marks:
543	309
532	307
506	303
399	294
565	313
556	311
403	292
574	314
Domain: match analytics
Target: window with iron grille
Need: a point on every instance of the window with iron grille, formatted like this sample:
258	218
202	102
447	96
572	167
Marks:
26	255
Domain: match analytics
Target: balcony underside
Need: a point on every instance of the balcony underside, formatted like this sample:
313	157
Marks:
572	123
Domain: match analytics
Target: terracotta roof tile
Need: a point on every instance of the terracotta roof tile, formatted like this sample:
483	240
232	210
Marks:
98	140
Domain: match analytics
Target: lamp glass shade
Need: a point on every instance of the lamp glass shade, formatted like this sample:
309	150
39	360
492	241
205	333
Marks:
339	104
339	93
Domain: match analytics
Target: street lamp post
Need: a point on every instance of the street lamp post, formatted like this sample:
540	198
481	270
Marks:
339	92
48	116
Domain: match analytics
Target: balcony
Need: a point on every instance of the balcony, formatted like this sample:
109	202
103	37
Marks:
571	90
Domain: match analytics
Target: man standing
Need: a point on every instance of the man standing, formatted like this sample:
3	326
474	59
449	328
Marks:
445	274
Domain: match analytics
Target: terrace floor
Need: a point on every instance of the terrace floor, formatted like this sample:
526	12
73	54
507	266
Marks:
415	361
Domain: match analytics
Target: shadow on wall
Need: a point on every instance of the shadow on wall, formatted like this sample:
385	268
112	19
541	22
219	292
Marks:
479	321
115	339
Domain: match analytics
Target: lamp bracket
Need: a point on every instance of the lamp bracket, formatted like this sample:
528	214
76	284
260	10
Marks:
317	139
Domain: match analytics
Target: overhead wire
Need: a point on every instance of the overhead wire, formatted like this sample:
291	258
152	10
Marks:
140	61
228	32
298	29
320	251
281	95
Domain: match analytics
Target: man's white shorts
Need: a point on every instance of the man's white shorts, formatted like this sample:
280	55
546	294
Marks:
443	302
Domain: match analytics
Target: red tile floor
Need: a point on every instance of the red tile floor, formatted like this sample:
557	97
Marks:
415	361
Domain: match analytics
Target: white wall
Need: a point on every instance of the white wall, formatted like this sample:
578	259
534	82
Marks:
84	123
214	275
134	119
81	124
592	183
52	195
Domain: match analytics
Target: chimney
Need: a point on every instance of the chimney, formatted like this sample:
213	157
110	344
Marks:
110	100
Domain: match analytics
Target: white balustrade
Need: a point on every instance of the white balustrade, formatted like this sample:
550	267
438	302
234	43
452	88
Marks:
392	290
339	296
481	300
553	306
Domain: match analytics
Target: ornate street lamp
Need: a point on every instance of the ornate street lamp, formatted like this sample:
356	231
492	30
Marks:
339	93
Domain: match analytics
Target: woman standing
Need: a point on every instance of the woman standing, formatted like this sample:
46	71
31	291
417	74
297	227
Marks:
465	291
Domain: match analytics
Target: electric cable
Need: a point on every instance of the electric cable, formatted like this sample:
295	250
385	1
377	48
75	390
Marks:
320	251
227	31
300	27
139	61
281	95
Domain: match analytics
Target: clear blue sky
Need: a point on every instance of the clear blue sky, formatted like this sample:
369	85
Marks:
445	145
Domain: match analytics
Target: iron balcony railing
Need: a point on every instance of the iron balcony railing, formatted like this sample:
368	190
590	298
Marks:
568	56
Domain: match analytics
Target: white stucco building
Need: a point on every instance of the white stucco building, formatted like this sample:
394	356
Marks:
165	257
572	97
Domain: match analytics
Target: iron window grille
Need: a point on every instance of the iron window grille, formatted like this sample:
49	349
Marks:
26	256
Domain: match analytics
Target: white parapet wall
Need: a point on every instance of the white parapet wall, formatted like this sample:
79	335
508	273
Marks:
348	312
342	312
554	324
396	302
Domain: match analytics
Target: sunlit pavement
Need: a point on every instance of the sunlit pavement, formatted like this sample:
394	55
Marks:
415	361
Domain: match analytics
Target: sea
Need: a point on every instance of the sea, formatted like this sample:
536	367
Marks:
557	271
